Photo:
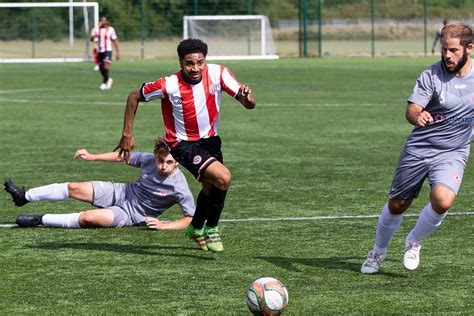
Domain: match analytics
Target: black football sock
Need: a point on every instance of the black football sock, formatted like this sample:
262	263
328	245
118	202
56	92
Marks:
102	69
105	74
202	209
216	205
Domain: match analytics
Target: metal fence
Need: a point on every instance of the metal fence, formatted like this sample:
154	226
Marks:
150	29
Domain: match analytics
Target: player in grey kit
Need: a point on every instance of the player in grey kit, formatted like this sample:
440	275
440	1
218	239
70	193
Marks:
438	36
160	186
438	148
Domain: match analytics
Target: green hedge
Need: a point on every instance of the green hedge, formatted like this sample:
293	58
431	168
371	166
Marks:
163	18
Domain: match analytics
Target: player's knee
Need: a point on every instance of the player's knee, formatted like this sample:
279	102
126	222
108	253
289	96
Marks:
442	198
224	180
442	206
398	206
74	188
86	219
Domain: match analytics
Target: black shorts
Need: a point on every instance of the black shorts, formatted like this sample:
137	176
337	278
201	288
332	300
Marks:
197	156
105	57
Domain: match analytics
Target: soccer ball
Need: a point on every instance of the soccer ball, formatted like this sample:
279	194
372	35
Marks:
267	296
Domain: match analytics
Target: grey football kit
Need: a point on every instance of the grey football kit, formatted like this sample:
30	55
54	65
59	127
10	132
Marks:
150	195
440	150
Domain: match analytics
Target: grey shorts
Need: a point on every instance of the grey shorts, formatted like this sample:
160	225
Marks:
110	195
445	169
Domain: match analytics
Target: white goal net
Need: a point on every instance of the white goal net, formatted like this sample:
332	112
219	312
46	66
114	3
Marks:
232	36
47	31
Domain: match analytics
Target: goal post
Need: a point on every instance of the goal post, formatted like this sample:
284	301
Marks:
232	36
56	41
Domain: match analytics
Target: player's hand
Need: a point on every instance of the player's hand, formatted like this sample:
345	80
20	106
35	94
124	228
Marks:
423	119
153	223
432	51
125	146
244	91
83	154
245	96
117	56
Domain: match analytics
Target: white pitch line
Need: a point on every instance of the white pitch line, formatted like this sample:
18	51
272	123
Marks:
59	102
313	218
263	219
315	105
25	90
8	225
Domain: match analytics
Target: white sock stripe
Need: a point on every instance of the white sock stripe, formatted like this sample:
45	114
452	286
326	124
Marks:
387	226
61	220
427	223
435	217
50	192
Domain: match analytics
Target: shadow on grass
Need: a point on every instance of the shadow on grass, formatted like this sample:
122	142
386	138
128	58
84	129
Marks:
132	249
338	263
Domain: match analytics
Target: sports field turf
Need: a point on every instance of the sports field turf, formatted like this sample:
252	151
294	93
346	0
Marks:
313	158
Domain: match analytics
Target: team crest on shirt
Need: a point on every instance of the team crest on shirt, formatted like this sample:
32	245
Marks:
456	177
197	159
176	99
213	88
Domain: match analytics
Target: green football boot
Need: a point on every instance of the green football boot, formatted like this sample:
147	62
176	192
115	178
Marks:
213	241
197	235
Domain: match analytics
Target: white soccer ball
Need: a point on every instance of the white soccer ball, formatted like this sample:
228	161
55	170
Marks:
267	296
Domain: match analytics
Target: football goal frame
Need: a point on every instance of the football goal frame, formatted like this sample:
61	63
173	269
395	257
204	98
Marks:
70	5
266	43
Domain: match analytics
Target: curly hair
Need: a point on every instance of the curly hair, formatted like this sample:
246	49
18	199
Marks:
458	30
161	148
191	45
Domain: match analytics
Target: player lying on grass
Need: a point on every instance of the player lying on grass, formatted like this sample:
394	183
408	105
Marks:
160	186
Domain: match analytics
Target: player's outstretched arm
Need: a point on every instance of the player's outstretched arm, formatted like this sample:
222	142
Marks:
156	224
86	155
127	142
416	115
244	96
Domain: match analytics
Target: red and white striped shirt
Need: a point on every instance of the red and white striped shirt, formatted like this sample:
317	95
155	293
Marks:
105	36
191	112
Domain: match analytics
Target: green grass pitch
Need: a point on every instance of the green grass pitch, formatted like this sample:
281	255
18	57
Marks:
323	141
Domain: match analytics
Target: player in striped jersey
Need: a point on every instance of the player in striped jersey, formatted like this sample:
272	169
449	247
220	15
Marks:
106	37
190	103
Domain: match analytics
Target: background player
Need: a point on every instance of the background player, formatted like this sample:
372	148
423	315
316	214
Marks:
438	36
106	37
438	148
160	186
190	102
